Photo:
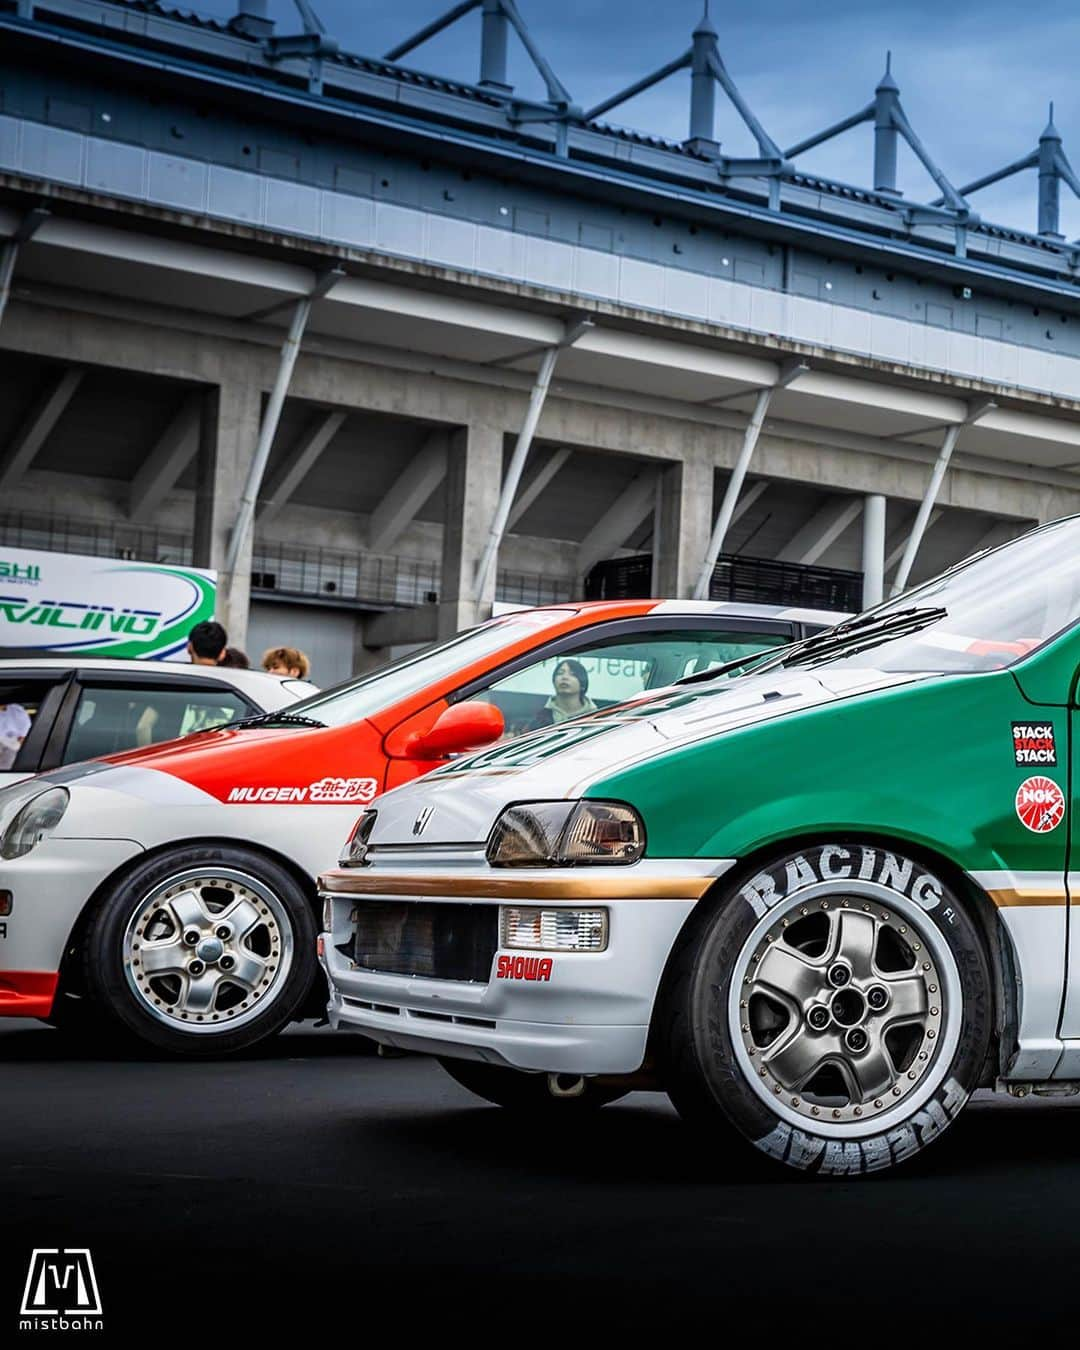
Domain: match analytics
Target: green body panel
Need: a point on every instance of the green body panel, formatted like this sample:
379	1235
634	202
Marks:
931	763
1049	676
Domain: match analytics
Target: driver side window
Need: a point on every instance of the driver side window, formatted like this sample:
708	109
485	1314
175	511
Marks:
600	674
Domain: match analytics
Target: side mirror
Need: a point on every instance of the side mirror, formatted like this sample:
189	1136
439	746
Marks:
462	726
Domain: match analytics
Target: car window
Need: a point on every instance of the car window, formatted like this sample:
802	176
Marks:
110	719
598	674
20	704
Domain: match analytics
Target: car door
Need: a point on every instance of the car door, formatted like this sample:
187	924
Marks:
619	661
29	703
106	713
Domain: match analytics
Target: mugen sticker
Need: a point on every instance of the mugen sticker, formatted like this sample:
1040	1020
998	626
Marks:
1033	743
326	791
1040	804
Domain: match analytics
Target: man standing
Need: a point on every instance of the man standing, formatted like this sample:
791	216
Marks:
207	643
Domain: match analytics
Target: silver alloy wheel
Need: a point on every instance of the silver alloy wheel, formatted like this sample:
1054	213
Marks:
845	1008
207	949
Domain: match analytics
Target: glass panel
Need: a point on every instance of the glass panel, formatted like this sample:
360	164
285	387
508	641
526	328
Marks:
110	720
598	675
20	703
419	670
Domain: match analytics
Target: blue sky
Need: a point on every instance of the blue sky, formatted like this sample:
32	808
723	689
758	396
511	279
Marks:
975	78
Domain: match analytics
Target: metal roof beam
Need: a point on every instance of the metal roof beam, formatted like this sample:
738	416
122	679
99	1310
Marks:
632	506
36	428
159	472
410	490
303	457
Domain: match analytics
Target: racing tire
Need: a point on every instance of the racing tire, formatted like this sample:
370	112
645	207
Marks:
202	951
835	1008
516	1090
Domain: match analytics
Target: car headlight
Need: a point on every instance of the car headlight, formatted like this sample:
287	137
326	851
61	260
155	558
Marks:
29	826
566	834
354	854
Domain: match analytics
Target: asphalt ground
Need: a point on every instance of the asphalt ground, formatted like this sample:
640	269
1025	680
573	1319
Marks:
319	1191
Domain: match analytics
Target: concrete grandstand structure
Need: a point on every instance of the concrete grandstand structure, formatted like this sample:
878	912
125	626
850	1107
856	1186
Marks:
383	347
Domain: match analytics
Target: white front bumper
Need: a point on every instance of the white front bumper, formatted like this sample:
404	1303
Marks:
590	1016
50	885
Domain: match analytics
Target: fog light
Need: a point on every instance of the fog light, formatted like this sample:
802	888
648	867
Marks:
554	930
6	901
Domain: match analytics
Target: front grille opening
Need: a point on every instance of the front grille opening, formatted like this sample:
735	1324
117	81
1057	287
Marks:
441	942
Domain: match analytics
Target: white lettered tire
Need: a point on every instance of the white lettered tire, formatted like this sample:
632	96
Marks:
834	1007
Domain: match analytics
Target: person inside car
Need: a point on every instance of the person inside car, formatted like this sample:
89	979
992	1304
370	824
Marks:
14	724
570	699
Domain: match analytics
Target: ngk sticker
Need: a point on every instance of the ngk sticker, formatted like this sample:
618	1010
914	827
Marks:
1040	804
326	791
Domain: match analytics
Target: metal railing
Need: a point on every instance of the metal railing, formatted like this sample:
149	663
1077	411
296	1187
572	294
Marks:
331	575
752	581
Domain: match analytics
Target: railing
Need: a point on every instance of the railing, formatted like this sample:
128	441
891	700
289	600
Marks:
752	581
332	575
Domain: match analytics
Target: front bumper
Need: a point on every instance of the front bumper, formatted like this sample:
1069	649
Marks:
588	1014
50	887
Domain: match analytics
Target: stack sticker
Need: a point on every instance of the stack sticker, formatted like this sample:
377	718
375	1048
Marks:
1040	804
1033	743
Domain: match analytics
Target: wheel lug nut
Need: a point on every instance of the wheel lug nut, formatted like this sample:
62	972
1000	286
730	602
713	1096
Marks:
877	997
196	967
818	1017
191	937
857	1039
223	931
227	963
839	975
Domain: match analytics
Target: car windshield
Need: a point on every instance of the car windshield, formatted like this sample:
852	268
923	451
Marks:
984	614
421	669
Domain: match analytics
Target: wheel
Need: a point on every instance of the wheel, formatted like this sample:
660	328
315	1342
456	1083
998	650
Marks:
518	1091
204	950
835	1009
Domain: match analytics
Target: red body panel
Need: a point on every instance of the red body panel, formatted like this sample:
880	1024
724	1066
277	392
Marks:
27	993
296	766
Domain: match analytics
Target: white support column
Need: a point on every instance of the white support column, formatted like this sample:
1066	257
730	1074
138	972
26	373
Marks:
486	568
472	492
821	531
873	550
301	459
618	522
408	493
731	496
897	551
536	484
9	254
176	447
684	521
918	529
290	350
36	428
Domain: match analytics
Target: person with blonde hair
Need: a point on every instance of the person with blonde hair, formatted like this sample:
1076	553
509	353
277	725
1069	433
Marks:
287	661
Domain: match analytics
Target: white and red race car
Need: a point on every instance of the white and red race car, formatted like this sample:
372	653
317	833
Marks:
170	891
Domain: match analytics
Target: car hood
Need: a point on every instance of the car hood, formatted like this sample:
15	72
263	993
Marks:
294	766
467	795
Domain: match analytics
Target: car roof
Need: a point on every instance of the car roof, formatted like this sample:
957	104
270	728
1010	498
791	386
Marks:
258	683
736	609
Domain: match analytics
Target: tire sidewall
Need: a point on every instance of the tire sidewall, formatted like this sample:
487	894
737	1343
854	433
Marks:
716	959
106	977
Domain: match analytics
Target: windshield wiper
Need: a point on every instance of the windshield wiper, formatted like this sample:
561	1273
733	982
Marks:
699	676
272	719
865	630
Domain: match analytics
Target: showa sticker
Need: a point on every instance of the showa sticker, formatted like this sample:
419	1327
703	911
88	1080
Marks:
1033	743
1040	804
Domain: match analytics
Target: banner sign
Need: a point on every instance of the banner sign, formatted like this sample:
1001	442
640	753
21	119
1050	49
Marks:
63	602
